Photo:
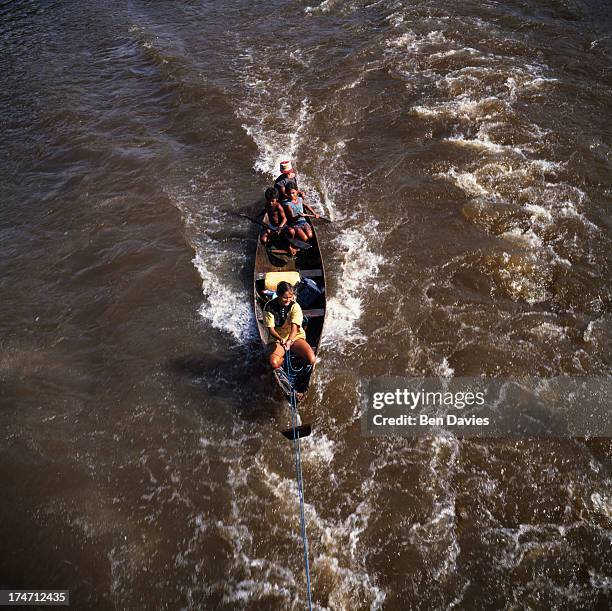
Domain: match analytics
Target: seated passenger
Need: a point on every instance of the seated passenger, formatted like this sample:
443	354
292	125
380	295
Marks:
294	209
276	218
283	318
288	174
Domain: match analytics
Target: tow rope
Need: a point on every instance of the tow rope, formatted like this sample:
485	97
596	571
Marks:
295	430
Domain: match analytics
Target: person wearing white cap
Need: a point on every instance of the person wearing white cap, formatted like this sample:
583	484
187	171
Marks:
288	175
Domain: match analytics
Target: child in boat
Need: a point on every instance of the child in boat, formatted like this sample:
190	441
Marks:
287	175
283	318
294	210
276	218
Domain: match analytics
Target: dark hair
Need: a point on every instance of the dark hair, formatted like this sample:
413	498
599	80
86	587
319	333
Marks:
289	186
271	193
283	287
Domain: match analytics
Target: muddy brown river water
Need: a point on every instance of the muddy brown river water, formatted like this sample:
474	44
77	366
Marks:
463	151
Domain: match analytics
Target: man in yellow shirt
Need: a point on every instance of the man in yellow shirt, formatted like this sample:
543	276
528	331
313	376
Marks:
283	318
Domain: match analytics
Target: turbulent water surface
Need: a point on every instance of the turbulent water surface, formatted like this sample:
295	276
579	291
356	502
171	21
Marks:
463	150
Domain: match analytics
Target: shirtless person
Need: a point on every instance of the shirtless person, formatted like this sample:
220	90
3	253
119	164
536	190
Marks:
277	219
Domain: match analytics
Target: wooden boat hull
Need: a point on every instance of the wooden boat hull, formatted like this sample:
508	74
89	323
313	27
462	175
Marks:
309	265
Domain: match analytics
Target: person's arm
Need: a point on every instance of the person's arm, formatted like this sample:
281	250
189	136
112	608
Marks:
276	336
296	318
310	209
281	190
294	331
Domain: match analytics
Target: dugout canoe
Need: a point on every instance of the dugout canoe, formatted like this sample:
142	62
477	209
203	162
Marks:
308	264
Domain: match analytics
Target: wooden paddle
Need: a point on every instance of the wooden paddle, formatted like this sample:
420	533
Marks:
321	218
296	243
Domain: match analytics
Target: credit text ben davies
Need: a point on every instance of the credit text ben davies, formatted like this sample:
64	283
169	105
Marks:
412	399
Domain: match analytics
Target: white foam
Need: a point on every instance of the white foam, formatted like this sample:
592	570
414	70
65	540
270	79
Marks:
547	330
459	598
396	19
463	106
273	146
602	503
342	316
545	165
297	55
468	182
600	581
407	38
349	588
414	42
483	142
444	370
329	183
525	279
227	309
589	332
539	213
451	52
298	127
339	557
359	267
319	449
352	84
261	104
435	537
324	7
526	238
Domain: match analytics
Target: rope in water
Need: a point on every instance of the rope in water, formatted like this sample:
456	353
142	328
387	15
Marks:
292	374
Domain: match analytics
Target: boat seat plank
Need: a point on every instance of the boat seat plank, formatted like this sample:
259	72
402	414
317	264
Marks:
311	273
313	313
